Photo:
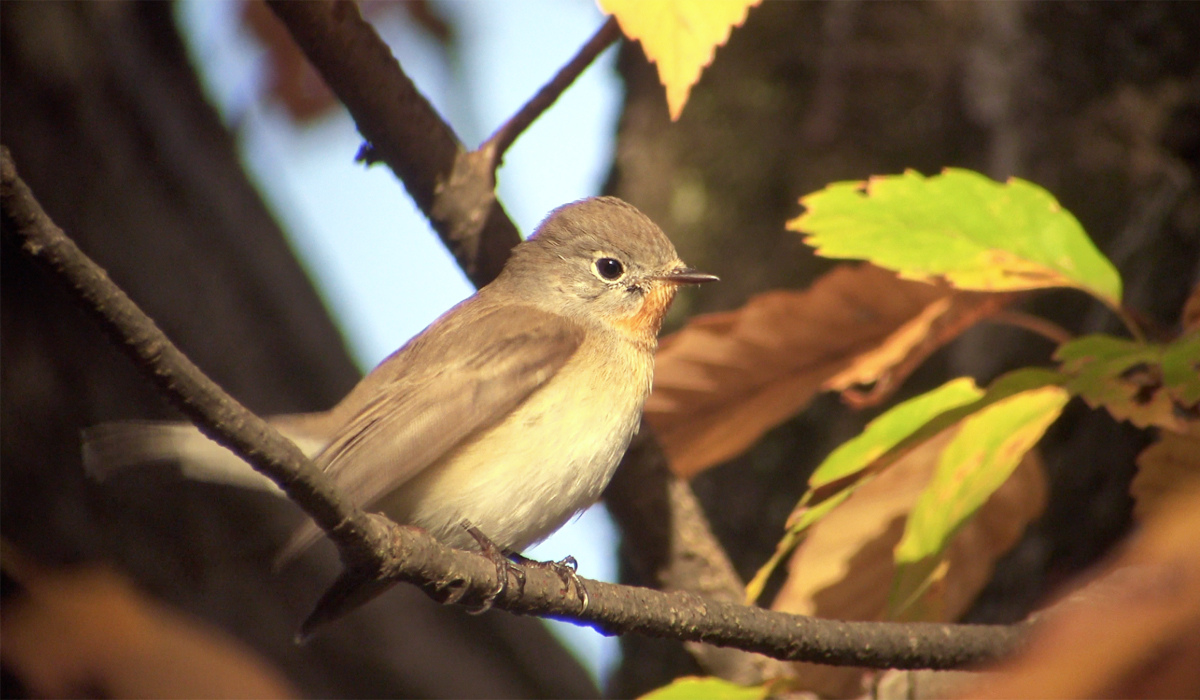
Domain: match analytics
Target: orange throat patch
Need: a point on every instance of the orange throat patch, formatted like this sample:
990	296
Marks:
642	326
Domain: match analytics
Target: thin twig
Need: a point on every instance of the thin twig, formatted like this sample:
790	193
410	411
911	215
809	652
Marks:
1035	324
1129	317
504	137
379	553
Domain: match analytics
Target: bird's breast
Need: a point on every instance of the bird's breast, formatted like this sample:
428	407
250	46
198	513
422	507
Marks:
522	478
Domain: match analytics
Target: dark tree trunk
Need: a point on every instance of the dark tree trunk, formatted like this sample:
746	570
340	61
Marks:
1097	102
108	126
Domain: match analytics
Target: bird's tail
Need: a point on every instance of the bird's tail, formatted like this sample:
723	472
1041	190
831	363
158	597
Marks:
110	448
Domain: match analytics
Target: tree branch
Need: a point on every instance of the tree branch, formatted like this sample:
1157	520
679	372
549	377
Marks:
455	190
498	143
614	609
217	414
377	552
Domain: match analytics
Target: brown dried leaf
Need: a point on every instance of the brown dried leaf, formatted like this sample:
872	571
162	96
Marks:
88	631
1132	632
293	81
844	568
886	367
1170	465
727	378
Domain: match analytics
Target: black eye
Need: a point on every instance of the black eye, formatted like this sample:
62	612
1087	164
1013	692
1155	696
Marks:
610	268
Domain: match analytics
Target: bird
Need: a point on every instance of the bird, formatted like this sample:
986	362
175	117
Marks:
504	418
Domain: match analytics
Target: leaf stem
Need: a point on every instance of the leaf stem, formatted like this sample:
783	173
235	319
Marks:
1129	318
1035	324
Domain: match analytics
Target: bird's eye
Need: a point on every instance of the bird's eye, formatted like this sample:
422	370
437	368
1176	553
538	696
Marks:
609	268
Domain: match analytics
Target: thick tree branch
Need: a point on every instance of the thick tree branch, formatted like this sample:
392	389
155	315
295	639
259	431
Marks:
455	190
417	558
378	553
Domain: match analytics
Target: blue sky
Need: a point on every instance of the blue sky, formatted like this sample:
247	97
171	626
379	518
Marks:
380	269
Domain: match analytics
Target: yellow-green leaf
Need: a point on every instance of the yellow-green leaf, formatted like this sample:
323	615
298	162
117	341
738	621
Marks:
880	435
948	405
1144	383
1181	369
960	226
886	431
978	460
679	36
706	688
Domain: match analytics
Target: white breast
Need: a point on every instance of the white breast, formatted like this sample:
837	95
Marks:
524	478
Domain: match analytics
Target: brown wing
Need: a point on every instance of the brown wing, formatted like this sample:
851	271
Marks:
462	375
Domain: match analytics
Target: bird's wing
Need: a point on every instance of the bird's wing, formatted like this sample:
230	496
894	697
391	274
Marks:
453	383
438	391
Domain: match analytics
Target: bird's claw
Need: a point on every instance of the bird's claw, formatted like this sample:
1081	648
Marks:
565	569
504	567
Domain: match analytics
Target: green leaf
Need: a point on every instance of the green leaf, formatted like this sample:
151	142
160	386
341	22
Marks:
804	516
887	439
886	431
961	226
1004	386
706	688
978	460
1144	383
856	454
1181	369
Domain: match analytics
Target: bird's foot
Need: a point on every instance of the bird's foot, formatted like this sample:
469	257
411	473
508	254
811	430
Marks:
504	567
565	569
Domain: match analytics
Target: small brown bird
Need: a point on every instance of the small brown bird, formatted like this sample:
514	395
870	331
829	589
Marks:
511	411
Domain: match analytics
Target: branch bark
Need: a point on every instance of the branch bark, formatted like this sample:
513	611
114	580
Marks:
455	190
377	553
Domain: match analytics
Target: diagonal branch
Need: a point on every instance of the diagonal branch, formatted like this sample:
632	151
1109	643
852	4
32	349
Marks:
454	187
405	132
217	414
378	553
497	145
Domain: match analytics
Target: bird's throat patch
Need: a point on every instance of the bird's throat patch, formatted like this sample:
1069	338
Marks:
644	324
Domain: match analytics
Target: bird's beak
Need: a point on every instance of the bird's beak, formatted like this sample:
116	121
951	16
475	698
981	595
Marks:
686	275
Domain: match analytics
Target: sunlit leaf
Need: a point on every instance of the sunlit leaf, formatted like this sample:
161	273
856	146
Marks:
727	378
888	439
679	36
706	688
844	567
959	226
886	431
980	458
1144	383
873	376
